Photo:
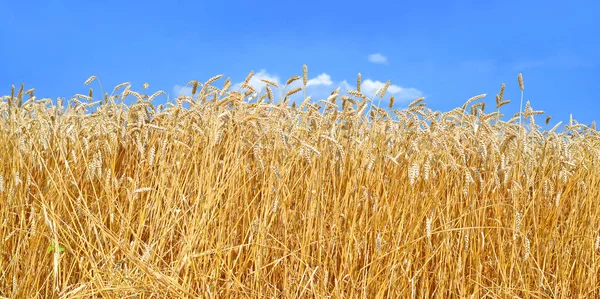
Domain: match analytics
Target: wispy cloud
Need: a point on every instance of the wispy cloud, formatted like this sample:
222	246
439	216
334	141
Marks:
179	90
345	86
378	58
558	61
527	64
478	66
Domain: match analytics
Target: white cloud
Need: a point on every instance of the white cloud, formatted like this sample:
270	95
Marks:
322	79
319	87
179	90
370	87
315	86
377	58
345	86
255	81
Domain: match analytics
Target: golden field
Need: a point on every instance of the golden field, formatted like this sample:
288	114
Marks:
216	196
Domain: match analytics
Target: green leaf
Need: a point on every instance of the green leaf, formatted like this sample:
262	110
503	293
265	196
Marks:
51	248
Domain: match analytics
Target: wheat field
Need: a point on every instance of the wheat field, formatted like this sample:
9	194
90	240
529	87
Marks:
241	194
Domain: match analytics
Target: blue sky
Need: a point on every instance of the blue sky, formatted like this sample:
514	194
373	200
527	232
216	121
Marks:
446	51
